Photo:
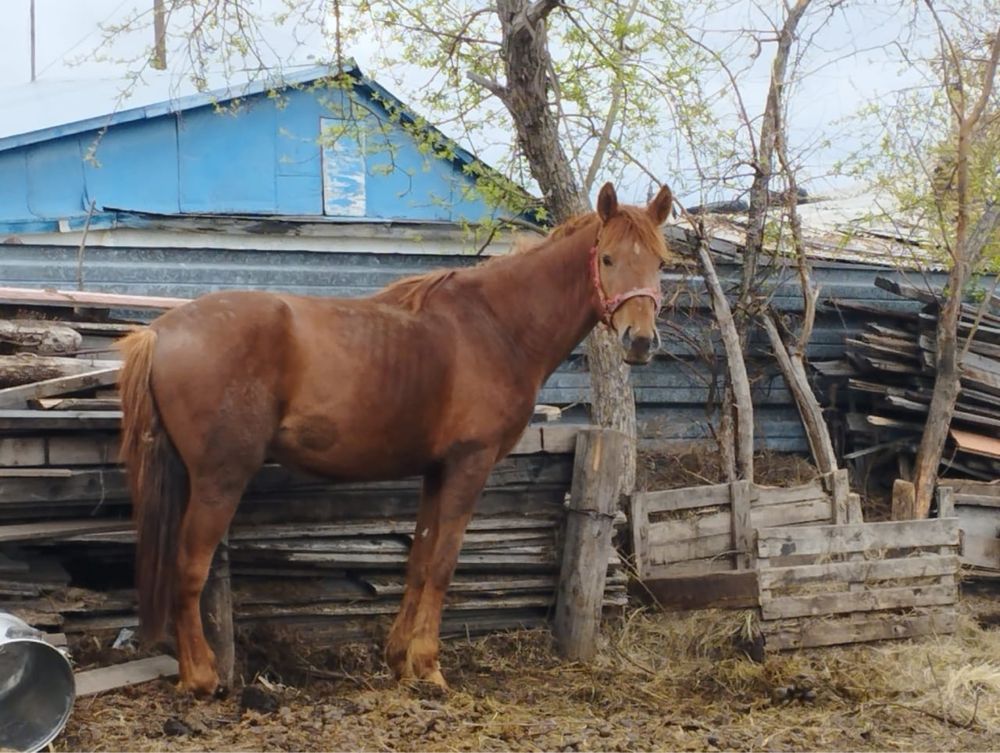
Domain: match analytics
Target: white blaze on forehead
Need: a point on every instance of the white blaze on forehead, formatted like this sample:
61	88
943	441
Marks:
636	248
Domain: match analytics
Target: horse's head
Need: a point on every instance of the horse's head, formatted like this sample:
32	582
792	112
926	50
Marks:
625	265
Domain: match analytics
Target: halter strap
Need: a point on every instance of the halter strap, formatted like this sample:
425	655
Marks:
608	306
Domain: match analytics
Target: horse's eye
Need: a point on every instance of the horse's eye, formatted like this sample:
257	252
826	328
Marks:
663	266
607	260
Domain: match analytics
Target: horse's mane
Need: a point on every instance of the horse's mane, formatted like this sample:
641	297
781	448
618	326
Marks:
412	292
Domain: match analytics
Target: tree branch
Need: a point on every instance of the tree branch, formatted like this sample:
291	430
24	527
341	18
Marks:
537	11
493	87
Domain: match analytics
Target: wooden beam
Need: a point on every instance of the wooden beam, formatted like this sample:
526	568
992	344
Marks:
587	542
95	681
722	590
80	299
217	614
16	397
57	529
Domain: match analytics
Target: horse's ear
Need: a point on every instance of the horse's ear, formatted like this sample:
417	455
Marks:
607	202
659	207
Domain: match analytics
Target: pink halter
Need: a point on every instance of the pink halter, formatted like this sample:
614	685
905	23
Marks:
608	306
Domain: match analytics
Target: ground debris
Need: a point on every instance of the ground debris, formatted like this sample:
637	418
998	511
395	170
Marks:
664	682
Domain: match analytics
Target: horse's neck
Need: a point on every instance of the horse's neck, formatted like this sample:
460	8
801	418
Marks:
544	300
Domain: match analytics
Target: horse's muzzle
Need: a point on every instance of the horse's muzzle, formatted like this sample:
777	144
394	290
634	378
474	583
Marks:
638	350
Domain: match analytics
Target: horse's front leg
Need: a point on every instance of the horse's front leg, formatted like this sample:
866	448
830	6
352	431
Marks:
398	642
440	534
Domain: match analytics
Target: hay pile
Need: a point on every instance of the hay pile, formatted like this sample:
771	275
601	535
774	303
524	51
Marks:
662	682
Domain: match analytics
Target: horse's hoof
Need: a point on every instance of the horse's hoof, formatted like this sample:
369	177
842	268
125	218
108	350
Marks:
436	678
221	693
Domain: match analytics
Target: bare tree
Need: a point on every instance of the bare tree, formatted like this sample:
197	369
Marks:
969	85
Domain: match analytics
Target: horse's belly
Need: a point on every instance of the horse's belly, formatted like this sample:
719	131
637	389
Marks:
351	450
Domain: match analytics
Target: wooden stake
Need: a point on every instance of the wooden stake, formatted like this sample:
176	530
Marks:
217	614
587	544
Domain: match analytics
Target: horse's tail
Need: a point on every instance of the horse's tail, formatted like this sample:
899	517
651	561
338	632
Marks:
158	482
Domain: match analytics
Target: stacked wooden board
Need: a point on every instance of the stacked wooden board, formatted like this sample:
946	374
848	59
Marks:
302	550
835	584
889	372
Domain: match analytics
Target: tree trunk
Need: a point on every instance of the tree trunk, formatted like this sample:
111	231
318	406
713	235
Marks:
27	368
49	338
737	366
764	158
793	369
526	94
948	374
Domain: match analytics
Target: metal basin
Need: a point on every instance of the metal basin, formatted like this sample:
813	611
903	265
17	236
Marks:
37	688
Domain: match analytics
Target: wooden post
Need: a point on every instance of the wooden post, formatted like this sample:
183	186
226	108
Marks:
840	490
904	500
739	495
946	501
587	543
854	512
217	614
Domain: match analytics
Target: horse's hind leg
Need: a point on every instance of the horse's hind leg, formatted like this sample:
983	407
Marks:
210	509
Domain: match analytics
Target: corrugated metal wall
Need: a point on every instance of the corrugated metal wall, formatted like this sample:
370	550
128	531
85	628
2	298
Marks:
672	392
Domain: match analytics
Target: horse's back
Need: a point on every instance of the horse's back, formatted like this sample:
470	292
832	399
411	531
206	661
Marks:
351	388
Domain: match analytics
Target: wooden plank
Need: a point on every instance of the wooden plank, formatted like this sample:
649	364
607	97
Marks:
217	614
587	542
772	495
82	449
720	590
13	397
945	502
689	498
780	542
978	444
741	527
981	551
655	571
780	636
977	500
561	439
840	489
80	299
16	419
21	451
76	403
717	523
529	443
862	571
854	512
58	529
706	546
95	681
869	600
639	519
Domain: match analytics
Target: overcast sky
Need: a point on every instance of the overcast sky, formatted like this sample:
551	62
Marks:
68	31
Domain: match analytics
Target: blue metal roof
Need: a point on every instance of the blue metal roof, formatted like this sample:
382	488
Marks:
182	156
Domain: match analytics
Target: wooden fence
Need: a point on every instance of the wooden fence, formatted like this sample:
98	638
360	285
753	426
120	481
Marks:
301	550
693	546
825	585
976	504
802	557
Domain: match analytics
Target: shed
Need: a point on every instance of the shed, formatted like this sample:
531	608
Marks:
316	160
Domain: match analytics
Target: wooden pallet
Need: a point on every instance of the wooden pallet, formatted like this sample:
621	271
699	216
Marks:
977	506
836	584
693	546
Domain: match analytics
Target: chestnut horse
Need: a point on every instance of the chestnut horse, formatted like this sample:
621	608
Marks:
436	375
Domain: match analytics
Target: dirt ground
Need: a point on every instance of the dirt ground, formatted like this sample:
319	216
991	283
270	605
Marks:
662	682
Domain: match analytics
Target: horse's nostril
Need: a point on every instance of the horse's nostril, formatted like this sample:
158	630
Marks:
627	337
